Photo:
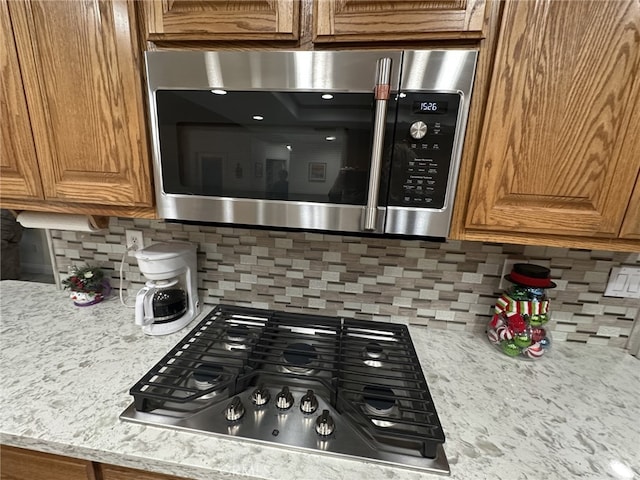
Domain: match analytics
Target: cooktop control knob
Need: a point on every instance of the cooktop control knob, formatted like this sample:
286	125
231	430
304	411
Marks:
309	403
235	410
284	399
260	396
418	130
325	424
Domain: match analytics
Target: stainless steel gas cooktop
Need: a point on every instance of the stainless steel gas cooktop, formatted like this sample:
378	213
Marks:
335	386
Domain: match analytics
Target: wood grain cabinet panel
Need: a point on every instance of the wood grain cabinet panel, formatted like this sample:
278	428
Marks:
20	464
631	224
19	175
375	20
111	472
222	19
23	464
556	154
81	77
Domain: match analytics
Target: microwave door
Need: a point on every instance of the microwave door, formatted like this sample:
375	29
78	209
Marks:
278	139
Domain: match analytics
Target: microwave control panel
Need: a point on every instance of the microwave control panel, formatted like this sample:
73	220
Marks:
423	149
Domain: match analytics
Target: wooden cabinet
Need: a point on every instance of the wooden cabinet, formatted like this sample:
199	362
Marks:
18	164
326	20
375	20
19	464
111	472
558	158
74	69
222	19
631	224
22	464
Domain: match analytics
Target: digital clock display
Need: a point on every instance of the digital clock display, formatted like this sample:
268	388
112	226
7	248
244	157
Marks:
428	106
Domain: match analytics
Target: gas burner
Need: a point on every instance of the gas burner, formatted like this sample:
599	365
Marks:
379	401
236	337
299	358
373	354
206	376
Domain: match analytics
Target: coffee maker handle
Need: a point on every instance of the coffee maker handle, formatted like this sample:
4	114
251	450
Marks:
142	305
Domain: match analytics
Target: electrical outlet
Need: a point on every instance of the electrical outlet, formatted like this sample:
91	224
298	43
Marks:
134	240
506	269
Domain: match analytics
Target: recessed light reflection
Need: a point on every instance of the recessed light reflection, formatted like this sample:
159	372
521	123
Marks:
402	94
258	117
327	96
330	138
219	91
620	470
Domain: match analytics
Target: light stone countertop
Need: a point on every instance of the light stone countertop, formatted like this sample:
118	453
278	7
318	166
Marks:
66	372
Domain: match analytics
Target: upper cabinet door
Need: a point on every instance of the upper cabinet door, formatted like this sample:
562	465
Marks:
222	19
19	175
375	20
80	72
555	155
631	224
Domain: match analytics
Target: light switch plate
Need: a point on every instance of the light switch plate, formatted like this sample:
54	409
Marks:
624	282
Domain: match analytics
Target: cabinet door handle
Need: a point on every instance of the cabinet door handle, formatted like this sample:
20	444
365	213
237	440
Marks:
381	93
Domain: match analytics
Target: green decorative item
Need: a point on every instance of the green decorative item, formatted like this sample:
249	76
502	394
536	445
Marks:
522	340
538	320
510	349
87	284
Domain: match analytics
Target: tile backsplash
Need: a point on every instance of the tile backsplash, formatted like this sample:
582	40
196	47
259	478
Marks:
450	285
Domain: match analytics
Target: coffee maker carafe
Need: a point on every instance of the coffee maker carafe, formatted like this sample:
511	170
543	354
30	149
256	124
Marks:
169	299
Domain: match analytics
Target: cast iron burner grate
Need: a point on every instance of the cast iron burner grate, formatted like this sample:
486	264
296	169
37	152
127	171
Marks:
366	372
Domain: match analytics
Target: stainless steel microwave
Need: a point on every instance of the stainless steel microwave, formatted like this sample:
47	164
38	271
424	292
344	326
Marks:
340	141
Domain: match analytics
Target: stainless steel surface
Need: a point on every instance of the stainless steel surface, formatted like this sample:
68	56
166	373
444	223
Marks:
417	221
260	396
284	399
325	425
244	211
633	344
235	410
281	71
441	71
270	425
303	382
382	84
309	403
337	71
418	130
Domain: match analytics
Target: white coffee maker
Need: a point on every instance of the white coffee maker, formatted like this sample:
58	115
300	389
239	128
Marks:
169	299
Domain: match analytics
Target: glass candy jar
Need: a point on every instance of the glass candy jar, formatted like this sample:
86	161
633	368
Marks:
518	327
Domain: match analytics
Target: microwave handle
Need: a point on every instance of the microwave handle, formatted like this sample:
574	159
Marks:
381	92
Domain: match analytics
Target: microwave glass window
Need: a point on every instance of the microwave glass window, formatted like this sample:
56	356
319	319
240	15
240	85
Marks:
299	146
